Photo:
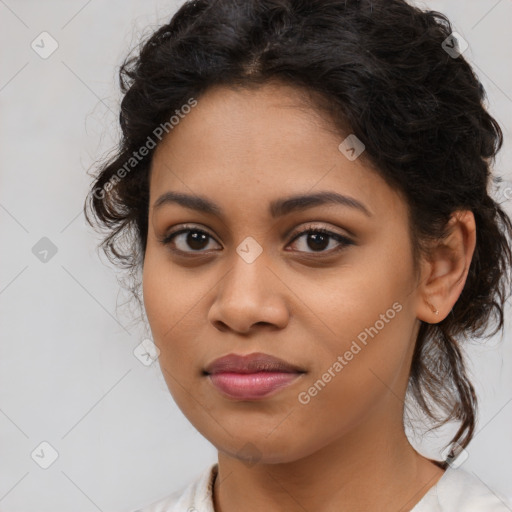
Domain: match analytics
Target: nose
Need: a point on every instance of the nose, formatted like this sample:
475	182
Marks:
250	295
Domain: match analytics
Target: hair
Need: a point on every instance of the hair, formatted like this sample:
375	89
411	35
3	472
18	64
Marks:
377	69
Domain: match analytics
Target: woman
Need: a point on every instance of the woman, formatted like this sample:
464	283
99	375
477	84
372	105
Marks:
305	189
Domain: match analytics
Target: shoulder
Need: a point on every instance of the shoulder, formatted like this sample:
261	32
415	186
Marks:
462	491
195	496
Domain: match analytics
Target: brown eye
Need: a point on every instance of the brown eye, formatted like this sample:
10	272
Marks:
318	239
188	240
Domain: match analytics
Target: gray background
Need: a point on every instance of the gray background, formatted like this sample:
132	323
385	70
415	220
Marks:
68	375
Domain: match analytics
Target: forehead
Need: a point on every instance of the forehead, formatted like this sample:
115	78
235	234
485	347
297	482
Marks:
228	121
261	143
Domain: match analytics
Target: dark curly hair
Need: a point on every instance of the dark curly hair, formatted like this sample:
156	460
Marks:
380	70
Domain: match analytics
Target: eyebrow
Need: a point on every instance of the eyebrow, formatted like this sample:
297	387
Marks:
278	207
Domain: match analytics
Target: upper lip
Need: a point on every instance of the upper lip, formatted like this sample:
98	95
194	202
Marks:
251	363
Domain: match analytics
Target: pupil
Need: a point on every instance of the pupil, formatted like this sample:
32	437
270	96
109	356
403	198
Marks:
318	238
196	240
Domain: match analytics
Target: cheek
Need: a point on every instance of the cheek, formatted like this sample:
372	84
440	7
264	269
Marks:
363	300
164	299
165	310
360	377
369	316
172	306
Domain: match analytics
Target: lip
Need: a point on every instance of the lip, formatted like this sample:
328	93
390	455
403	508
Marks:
251	377
251	363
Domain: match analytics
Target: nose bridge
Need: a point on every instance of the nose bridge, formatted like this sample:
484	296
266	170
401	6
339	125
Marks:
248	292
249	271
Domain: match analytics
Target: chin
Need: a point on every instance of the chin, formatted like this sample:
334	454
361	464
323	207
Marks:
258	449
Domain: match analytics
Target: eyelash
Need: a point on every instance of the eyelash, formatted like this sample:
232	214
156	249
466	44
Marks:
342	240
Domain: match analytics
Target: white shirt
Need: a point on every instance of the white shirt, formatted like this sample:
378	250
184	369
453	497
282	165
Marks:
456	491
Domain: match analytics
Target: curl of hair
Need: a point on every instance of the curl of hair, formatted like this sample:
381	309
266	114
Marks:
377	68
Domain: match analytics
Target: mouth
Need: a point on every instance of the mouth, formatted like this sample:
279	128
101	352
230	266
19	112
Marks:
251	377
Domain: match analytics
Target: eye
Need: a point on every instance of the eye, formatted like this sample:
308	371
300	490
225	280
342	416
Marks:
190	237
318	239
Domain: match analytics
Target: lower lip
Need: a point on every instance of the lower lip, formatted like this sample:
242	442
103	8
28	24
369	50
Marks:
251	386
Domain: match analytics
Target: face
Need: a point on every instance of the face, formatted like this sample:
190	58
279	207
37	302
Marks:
246	278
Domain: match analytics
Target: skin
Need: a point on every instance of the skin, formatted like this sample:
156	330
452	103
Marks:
346	448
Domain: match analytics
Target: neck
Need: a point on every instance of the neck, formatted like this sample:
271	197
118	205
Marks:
371	468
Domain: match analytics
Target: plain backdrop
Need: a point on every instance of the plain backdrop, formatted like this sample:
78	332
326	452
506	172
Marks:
68	375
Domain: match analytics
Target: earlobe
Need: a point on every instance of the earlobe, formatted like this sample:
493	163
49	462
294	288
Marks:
446	271
434	309
429	313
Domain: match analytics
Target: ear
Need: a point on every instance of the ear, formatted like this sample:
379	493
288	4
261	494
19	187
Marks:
444	274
